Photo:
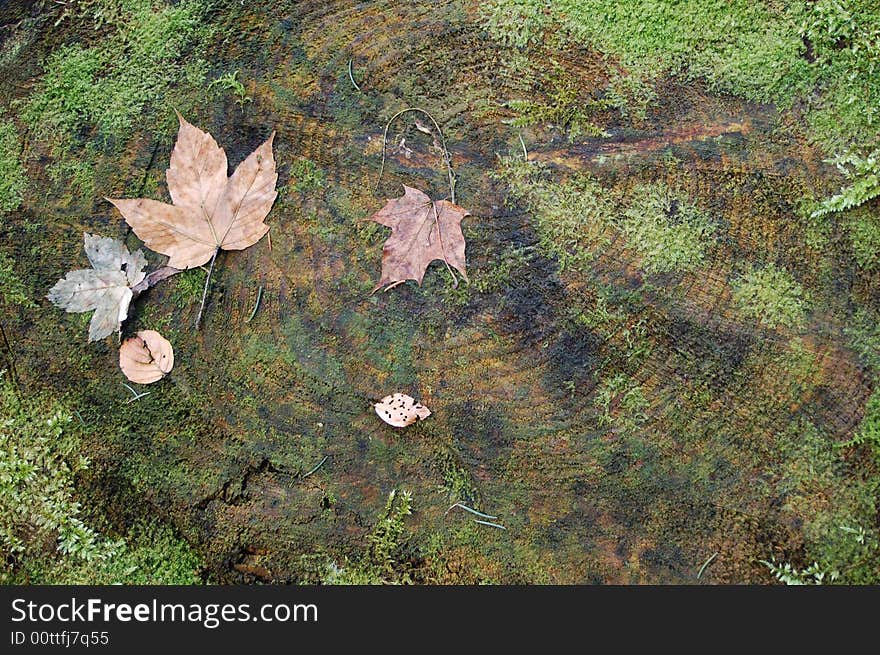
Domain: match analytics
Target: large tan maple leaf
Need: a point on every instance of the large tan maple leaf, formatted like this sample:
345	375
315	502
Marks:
422	230
210	212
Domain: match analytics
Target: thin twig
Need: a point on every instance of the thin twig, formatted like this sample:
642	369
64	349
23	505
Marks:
705	564
135	393
494	525
446	156
472	511
205	291
351	77
257	305
320	464
137	396
11	357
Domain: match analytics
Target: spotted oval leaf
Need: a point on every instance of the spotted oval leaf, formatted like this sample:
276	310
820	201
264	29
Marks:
146	357
401	410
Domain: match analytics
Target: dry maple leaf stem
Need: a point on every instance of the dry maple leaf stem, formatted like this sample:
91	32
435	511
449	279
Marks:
447	158
205	290
153	278
442	248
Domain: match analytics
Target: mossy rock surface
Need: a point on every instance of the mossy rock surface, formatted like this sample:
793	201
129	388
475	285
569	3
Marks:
623	419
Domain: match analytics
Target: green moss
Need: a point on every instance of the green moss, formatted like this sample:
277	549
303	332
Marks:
65	97
12	289
76	174
825	53
385	559
230	82
571	218
813	574
306	176
349	208
565	107
188	288
457	482
864	232
13	45
113	84
515	22
40	454
621	404
743	46
156	316
846	51
149	554
772	297
622	322
868	433
669	233
454	291
835	506
630	94
12	174
658	482
864	175
863	333
54	512
605	316
98	13
499	272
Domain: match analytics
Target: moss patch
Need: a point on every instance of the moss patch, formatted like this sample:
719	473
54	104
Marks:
758	50
572	218
771	296
12	174
668	231
124	77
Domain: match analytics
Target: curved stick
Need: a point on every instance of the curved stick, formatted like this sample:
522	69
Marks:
447	158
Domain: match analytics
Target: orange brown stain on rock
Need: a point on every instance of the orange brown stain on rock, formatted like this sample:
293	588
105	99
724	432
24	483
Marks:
596	150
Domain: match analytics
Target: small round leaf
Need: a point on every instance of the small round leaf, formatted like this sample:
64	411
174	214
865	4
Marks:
146	357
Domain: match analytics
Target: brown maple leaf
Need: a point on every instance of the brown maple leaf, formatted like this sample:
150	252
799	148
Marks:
210	212
422	230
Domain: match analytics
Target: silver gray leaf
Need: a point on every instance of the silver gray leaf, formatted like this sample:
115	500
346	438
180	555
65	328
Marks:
105	288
